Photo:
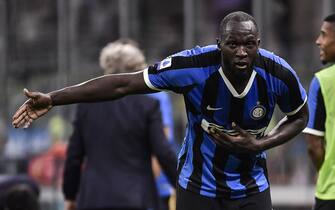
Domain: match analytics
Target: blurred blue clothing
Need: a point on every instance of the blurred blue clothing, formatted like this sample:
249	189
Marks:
162	183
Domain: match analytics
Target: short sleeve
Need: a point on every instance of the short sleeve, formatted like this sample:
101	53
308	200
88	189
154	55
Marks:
181	71
291	94
317	112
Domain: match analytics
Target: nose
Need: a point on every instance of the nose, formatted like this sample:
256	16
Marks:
241	52
318	41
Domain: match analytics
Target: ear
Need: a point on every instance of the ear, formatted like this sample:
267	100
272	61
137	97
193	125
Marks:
218	42
258	42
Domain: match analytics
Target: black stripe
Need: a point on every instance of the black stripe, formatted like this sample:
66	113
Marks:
220	155
285	75
210	94
219	161
236	110
236	115
197	162
261	162
182	90
320	113
211	58
190	107
247	163
263	99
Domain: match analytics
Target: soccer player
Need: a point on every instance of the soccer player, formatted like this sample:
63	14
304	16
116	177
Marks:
230	92
320	131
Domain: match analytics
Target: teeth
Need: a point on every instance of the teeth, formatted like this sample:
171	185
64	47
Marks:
241	65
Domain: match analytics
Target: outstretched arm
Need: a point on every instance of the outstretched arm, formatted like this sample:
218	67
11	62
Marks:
102	88
247	143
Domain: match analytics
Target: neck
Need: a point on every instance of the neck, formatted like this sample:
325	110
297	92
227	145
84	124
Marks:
239	80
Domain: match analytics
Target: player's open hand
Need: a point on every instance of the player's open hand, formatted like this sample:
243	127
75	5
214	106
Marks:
243	142
37	105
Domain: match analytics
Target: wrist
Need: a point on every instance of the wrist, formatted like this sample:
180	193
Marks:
52	96
259	145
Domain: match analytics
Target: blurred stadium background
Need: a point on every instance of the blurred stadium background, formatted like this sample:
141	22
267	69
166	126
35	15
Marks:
46	44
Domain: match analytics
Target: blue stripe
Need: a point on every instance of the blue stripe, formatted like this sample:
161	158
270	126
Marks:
208	180
313	101
233	178
187	169
261	181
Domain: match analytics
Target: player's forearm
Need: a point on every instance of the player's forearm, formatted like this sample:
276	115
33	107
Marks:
317	157
316	149
286	130
102	88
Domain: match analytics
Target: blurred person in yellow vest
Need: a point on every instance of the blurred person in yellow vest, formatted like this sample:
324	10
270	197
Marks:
320	131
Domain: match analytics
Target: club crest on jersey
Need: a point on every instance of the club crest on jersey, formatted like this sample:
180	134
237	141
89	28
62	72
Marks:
258	112
164	63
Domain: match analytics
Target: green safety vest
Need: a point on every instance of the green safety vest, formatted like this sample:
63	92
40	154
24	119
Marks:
325	187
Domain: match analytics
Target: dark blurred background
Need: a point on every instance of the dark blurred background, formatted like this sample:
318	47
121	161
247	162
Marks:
47	44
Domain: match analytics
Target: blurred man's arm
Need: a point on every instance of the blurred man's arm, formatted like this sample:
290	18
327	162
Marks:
74	158
316	149
160	147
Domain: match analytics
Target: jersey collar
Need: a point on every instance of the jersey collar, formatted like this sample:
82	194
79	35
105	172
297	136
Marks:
232	89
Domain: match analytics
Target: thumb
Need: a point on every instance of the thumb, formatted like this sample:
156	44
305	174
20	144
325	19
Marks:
237	128
29	94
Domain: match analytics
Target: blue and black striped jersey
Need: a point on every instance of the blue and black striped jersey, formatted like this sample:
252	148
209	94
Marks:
211	100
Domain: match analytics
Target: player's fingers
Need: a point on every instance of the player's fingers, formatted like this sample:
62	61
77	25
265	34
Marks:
20	123
32	114
18	119
19	112
219	137
237	128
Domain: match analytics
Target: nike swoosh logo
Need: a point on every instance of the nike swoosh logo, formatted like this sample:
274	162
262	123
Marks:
213	108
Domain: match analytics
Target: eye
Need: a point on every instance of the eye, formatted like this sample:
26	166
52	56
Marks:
251	44
231	44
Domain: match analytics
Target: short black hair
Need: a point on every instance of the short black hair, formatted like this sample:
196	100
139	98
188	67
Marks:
330	18
238	16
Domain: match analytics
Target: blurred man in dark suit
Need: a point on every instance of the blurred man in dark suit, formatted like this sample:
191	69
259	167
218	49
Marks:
108	163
